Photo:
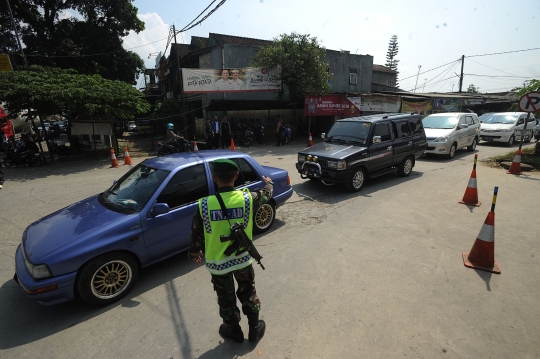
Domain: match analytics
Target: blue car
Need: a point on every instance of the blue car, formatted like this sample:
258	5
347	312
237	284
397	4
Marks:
95	247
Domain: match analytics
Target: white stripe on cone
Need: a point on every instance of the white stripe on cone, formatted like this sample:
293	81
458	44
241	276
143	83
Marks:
472	183
487	233
517	158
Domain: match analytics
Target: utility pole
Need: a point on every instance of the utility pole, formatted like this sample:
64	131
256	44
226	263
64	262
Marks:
452	87
16	34
461	76
419	66
423	88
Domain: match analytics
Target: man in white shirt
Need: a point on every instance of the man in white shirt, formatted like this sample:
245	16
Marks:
224	83
237	84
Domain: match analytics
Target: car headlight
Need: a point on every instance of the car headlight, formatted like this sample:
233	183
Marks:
338	165
40	271
441	139
308	157
301	158
505	130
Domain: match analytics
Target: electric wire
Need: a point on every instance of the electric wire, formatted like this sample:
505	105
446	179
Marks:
435	68
476	62
505	52
199	15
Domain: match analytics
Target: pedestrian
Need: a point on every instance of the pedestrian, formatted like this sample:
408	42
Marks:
225	130
280	130
209	134
1	180
215	127
207	231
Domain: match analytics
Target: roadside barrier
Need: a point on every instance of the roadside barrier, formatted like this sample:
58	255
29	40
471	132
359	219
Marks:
515	168
195	148
310	140
482	254
471	192
232	145
114	161
127	159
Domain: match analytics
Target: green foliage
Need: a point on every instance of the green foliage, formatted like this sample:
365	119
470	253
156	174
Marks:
532	86
301	60
46	91
53	40
473	89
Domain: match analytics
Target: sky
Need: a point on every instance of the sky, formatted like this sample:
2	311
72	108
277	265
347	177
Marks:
430	34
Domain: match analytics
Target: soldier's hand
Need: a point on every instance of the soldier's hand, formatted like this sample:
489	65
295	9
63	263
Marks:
199	258
266	179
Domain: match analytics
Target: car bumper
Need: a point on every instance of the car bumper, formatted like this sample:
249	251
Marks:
438	148
64	283
281	198
325	175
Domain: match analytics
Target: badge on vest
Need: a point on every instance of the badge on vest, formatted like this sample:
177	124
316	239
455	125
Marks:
233	213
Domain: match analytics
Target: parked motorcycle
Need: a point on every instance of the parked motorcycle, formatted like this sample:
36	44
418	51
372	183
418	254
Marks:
245	137
16	158
168	147
259	134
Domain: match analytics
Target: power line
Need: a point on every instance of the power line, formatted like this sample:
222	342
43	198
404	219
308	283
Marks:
438	67
514	77
199	15
504	72
505	52
205	17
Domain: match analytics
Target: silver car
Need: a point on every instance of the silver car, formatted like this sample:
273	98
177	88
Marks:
448	132
507	127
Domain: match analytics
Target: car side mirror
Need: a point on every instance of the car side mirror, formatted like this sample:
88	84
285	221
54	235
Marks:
323	135
463	125
377	139
158	209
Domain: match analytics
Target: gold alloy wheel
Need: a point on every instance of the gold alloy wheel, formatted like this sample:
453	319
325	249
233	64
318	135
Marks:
263	217
111	279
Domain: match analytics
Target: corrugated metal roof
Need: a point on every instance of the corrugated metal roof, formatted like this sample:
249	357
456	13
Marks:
237	40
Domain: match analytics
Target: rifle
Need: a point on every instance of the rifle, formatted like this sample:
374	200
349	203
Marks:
241	242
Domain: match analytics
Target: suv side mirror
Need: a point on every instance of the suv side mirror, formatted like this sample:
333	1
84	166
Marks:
377	139
323	135
157	209
463	125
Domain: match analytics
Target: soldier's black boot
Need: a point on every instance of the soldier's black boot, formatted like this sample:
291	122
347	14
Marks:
256	328
233	332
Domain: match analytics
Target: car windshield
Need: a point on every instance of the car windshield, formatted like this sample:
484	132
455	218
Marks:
485	116
446	122
134	189
349	131
504	119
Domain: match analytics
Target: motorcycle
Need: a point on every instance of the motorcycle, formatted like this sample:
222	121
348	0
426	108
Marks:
168	147
244	138
15	158
259	134
286	134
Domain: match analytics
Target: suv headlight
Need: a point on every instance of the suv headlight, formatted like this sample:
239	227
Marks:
338	165
441	139
505	130
301	158
40	271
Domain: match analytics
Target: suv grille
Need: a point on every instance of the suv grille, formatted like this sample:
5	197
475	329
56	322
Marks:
323	163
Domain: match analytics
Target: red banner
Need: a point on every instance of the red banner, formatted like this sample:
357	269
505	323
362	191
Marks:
330	105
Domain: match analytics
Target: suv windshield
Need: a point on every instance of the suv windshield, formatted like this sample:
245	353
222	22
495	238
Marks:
134	189
446	122
349	131
504	119
485	116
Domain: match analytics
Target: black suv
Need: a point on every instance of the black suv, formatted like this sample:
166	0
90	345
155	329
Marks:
367	145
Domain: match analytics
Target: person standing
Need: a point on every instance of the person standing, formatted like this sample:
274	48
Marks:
209	134
280	130
225	131
216	124
207	231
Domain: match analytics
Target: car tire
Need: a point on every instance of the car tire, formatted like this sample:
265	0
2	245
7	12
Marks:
472	147
405	167
264	218
107	278
510	141
356	181
8	162
452	152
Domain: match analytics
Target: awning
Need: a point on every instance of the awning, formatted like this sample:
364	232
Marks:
95	128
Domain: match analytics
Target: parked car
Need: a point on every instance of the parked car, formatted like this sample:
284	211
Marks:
507	127
448	132
61	126
47	128
131	126
95	248
537	130
358	147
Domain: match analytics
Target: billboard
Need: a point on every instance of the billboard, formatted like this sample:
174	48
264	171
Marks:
245	79
421	107
445	104
337	105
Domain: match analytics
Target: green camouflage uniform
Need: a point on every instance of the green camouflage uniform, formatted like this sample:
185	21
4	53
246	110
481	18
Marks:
245	277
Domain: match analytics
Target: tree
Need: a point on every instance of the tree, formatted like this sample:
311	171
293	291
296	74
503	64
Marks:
473	89
302	65
44	91
90	44
530	86
393	49
168	111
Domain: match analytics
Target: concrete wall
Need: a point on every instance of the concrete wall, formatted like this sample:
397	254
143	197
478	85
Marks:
340	64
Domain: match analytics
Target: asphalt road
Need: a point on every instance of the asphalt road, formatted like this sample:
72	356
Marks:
374	274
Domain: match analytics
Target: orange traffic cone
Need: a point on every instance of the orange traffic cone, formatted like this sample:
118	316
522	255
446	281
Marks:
482	255
310	140
471	192
127	159
114	161
232	145
195	148
515	168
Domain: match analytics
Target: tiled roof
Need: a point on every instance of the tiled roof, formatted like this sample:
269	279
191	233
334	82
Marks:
183	49
382	68
199	42
237	40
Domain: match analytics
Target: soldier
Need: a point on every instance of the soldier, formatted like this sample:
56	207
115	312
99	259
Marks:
207	230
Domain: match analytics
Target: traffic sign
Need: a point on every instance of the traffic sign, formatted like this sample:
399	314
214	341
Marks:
5	64
530	102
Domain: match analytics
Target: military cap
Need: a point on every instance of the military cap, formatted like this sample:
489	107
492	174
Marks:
224	164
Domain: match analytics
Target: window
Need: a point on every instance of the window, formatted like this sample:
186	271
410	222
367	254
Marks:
390	84
353	76
476	121
401	129
185	187
469	120
416	126
521	121
381	129
246	174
